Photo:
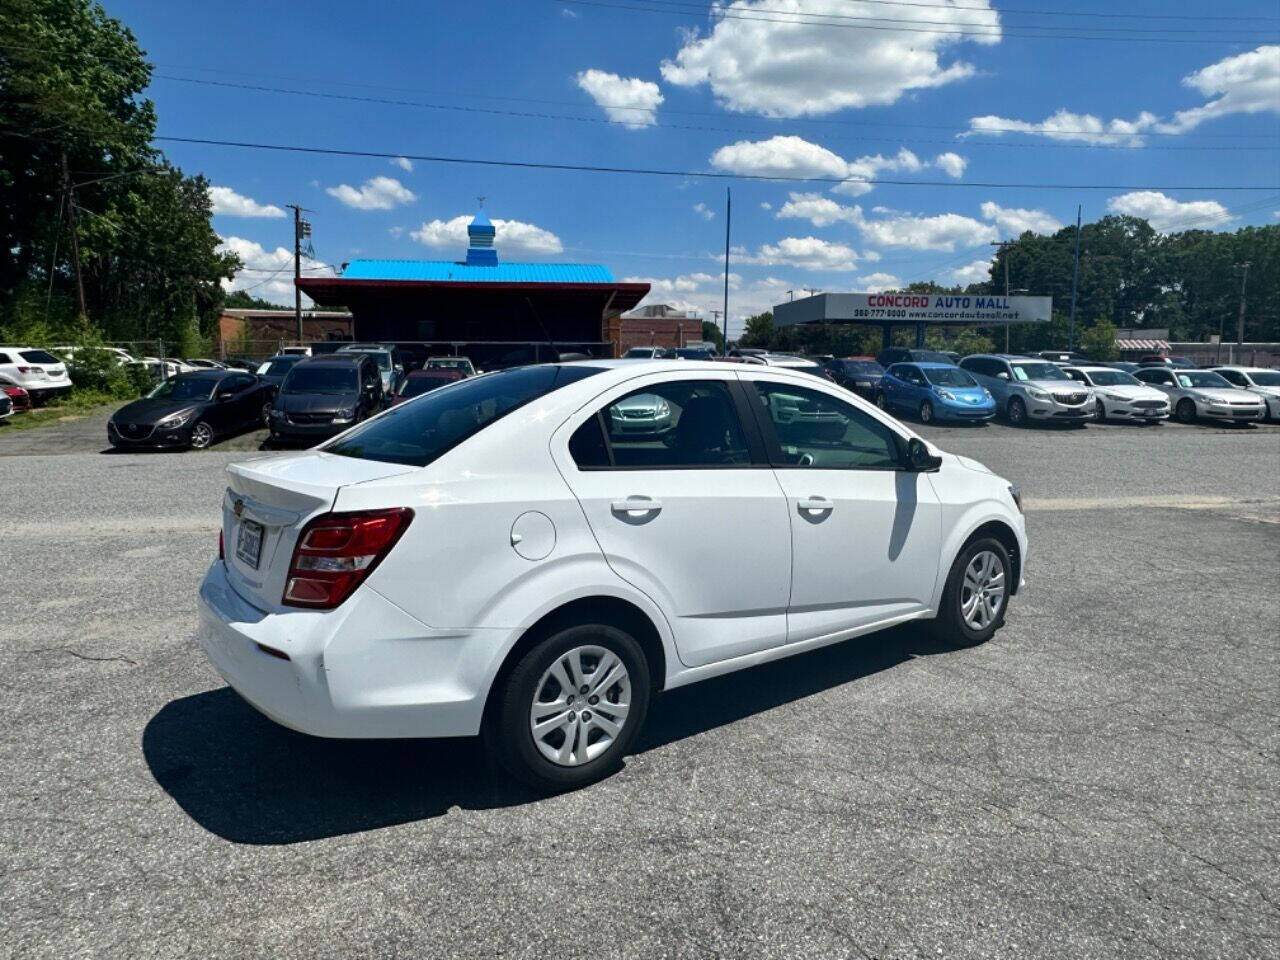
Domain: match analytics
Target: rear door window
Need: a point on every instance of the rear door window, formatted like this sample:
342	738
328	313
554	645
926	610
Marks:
683	424
418	433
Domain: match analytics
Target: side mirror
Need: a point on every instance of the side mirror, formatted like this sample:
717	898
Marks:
919	459
1002	375
225	395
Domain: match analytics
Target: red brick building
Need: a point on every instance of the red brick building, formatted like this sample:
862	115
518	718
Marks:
655	325
255	334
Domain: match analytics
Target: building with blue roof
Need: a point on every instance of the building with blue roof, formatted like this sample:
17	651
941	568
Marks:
481	300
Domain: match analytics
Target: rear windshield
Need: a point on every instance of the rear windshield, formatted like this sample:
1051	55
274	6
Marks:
419	432
38	356
862	366
416	385
278	368
929	356
949	377
307	379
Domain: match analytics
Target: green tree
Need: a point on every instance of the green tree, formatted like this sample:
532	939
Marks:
239	300
1099	341
712	333
759	331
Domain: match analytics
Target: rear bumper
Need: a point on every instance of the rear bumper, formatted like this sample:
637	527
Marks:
366	670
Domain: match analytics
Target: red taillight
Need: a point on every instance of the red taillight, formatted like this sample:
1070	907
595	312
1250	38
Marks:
28	369
337	551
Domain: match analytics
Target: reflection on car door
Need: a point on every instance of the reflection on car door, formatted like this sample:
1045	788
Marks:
865	533
665	474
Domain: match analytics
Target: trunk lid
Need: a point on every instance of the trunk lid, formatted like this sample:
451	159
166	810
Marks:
266	505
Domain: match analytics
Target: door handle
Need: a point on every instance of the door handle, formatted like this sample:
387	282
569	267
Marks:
816	504
636	505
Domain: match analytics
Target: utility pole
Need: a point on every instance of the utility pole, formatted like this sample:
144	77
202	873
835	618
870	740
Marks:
791	296
71	228
301	228
715	318
1075	274
812	291
1244	279
1002	248
728	214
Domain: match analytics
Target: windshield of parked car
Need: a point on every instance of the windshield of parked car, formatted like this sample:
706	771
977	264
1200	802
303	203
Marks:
448	363
1201	378
1113	378
1266	378
948	377
184	388
862	366
416	385
277	367
381	357
417	433
693	353
1023	370
333	380
640	353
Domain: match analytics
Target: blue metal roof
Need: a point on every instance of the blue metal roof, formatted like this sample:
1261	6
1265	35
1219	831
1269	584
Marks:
445	270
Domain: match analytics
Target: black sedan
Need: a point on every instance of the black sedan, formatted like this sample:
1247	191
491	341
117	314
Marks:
192	410
859	374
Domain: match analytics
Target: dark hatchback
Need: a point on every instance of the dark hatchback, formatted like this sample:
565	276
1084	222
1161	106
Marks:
859	374
193	410
322	396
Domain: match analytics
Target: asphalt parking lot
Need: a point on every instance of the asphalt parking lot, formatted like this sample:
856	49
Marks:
1099	781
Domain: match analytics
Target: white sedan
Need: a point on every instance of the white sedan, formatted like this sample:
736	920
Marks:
1119	396
497	557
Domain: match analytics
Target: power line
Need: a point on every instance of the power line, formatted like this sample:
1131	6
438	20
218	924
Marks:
387	101
1061	13
997	32
701	174
989	28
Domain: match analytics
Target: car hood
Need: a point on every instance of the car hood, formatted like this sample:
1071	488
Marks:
151	410
315	402
1056	387
1225	394
970	464
1266	391
1132	392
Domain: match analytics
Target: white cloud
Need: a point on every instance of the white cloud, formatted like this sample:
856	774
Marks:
404	163
792	156
805	253
702	293
818	209
766	205
952	164
378	193
568	14
1015	221
975	272
228	203
944	231
513	237
1167	215
269	273
879	282
1244	83
626	100
702	210
759	60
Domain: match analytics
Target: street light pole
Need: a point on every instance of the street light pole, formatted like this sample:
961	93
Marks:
1244	279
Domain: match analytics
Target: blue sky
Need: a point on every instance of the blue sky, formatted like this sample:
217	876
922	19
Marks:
858	90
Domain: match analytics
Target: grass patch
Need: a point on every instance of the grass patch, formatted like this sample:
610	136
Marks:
73	406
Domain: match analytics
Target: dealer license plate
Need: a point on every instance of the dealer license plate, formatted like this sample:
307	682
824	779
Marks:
249	543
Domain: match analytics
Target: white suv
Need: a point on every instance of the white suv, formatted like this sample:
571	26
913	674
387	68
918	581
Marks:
497	557
38	372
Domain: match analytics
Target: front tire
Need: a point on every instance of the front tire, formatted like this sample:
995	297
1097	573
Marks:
926	412
1017	412
881	402
1185	411
976	596
570	708
1099	411
201	436
266	414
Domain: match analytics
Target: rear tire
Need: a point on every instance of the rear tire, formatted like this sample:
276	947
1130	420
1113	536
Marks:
1185	411
1017	412
579	743
976	596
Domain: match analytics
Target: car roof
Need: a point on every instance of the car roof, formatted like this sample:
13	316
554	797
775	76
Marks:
208	374
331	360
434	373
1092	368
930	365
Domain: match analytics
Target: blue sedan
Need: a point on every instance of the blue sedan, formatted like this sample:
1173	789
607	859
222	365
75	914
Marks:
935	391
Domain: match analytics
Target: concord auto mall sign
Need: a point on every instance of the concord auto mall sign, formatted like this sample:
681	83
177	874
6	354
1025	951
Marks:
891	308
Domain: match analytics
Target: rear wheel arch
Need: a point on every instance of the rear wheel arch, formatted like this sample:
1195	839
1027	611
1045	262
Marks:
613	611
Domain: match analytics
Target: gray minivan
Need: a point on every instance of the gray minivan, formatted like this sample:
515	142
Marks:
1029	389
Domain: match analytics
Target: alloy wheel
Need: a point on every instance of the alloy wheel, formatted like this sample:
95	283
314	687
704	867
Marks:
580	705
881	402
982	592
1017	412
201	435
266	414
926	412
1099	411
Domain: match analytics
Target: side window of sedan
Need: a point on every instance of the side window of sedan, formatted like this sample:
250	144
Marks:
1235	376
819	431
685	424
